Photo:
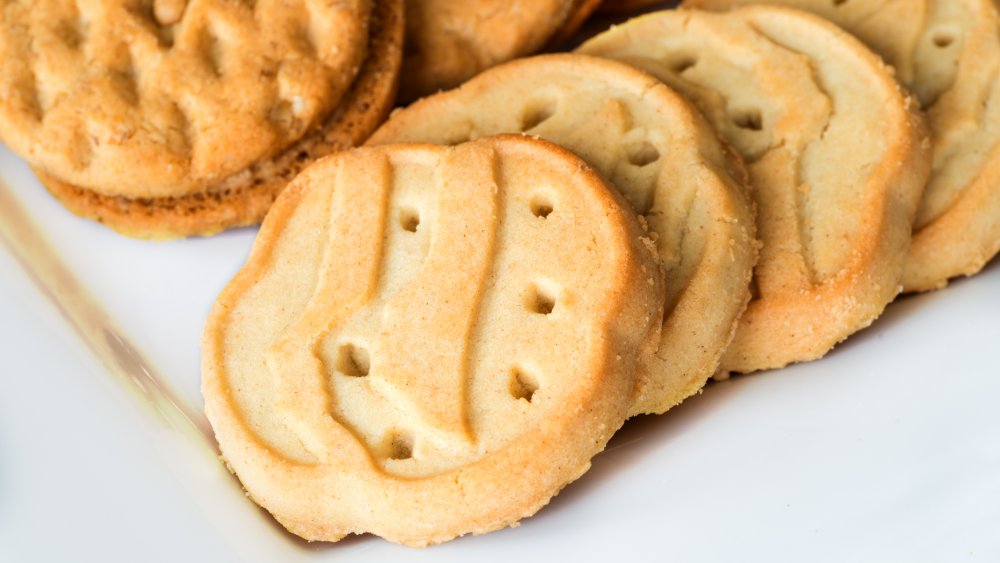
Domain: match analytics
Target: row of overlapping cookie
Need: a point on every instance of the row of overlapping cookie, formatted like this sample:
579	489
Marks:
496	362
189	125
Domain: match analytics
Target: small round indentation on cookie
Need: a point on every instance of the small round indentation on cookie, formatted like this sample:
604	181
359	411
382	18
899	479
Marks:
540	300
839	3
750	119
409	220
71	32
399	445
522	385
680	62
213	52
943	39
537	112
642	154
353	360
541	206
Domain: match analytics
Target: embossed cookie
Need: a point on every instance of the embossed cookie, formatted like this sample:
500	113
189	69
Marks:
244	198
948	53
838	156
164	98
430	341
449	41
662	156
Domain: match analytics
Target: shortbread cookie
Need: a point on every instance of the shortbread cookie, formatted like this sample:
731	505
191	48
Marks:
948	53
449	41
662	156
430	341
838	156
163	98
244	198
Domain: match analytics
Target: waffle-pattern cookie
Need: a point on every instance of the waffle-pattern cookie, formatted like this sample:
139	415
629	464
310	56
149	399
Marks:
662	156
449	41
838	156
948	53
161	98
244	198
430	341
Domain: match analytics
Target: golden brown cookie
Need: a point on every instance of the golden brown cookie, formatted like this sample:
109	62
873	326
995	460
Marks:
948	53
428	341
663	157
244	198
838	157
164	98
449	41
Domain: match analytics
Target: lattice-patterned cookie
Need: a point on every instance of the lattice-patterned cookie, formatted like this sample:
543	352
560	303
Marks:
430	341
161	98
662	156
948	53
449	41
243	199
838	157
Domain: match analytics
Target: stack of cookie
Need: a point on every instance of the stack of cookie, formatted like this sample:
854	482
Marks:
436	332
168	118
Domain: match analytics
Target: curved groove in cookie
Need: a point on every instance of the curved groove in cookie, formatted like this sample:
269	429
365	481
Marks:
299	374
432	378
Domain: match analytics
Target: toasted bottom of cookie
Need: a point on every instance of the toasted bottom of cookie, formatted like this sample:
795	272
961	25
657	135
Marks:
244	199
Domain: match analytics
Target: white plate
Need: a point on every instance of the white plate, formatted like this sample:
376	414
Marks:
886	450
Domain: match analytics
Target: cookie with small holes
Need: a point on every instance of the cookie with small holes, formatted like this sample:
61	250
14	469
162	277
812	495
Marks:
666	160
165	119
838	156
948	53
430	341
